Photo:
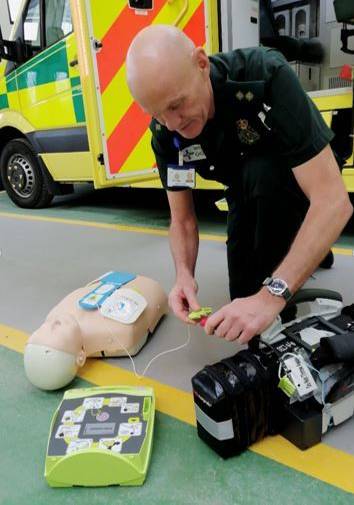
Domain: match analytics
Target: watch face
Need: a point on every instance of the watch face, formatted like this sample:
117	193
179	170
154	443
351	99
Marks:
278	286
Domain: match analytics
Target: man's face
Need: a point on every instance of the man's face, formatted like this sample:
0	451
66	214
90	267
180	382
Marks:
183	106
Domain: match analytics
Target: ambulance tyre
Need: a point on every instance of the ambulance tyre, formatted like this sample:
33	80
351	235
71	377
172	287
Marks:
24	178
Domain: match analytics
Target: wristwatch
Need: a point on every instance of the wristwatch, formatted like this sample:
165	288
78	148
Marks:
278	287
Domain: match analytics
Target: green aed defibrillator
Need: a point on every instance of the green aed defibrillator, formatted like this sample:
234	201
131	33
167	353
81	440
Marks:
101	436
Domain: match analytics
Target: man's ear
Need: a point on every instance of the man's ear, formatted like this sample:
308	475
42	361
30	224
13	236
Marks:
201	60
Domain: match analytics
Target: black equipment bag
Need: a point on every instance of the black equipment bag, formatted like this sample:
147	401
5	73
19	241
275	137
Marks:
237	402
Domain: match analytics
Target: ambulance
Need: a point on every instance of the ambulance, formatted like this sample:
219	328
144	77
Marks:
66	114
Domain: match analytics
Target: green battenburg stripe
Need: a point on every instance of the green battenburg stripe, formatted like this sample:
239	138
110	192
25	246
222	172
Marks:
75	81
79	108
11	83
4	103
42	56
51	67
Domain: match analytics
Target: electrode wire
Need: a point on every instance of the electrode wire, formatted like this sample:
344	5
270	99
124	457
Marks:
174	349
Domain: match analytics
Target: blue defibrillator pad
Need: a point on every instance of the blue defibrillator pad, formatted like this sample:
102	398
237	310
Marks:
108	284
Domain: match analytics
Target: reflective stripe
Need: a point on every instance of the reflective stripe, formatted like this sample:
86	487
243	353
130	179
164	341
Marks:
124	29
221	431
125	127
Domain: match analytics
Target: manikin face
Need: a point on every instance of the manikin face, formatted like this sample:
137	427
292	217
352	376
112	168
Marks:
61	332
54	352
183	104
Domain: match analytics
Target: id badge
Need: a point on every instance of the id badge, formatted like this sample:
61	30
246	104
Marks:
180	176
193	153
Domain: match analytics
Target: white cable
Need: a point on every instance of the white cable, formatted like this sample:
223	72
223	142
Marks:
138	376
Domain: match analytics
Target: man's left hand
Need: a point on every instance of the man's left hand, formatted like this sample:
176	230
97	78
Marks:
244	318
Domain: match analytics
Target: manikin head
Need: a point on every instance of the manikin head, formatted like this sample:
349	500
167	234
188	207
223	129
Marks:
54	352
170	78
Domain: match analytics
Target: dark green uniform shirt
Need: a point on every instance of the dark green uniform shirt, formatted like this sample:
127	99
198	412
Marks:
260	106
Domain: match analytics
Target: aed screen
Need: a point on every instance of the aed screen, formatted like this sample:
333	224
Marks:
99	429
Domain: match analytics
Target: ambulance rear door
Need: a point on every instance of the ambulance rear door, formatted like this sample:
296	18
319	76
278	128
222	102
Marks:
118	130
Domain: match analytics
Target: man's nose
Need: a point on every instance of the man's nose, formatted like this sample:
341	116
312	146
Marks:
172	121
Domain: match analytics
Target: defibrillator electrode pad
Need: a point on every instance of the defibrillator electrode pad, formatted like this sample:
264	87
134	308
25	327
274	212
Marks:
109	283
124	305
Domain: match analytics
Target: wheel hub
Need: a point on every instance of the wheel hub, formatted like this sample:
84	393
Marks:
20	175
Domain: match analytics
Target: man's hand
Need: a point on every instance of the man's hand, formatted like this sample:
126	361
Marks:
244	318
182	299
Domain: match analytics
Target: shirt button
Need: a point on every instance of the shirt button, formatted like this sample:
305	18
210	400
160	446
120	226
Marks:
211	168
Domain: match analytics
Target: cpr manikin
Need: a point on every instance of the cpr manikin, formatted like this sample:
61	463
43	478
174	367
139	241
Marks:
70	334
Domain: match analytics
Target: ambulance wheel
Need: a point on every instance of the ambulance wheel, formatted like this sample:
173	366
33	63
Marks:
24	179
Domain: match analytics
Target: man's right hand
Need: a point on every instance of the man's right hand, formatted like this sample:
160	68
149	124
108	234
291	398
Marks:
182	299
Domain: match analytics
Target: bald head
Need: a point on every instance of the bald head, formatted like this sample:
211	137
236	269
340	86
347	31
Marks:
159	54
169	77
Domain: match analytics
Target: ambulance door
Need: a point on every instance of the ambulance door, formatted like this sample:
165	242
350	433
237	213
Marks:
48	82
118	130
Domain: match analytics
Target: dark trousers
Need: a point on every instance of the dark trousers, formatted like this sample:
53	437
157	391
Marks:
266	210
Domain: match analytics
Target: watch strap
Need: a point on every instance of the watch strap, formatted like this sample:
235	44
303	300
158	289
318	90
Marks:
286	294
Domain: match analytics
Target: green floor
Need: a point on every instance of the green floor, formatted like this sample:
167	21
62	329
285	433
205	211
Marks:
183	470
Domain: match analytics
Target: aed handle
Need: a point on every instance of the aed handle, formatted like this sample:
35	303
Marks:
146	407
182	13
301	296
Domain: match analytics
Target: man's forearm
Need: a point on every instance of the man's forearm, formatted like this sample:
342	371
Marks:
184	243
321	227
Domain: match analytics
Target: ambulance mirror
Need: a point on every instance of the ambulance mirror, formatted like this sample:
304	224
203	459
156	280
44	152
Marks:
11	50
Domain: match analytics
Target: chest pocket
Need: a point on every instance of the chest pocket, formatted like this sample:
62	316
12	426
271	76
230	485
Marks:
244	111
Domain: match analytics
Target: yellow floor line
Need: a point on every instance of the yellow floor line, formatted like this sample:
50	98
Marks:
90	224
322	462
343	250
346	251
169	400
107	226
